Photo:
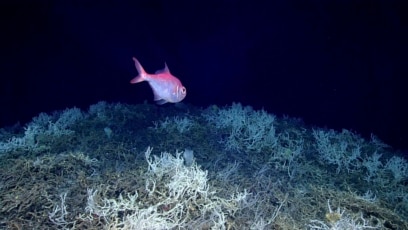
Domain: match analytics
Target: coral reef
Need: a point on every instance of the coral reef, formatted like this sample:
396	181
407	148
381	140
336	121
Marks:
94	169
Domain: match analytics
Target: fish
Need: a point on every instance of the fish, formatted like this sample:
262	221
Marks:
166	87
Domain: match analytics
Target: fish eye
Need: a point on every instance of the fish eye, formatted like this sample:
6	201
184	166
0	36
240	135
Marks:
183	90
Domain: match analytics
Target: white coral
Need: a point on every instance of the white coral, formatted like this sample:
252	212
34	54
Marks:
398	166
249	130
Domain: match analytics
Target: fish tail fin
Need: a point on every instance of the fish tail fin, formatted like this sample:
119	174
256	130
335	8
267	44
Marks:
142	73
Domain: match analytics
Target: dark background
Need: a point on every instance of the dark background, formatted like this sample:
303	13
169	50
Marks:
335	64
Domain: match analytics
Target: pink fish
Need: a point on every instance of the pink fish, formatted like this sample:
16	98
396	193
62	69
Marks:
166	87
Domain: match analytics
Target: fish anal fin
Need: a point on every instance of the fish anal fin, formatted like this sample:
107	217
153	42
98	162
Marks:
161	101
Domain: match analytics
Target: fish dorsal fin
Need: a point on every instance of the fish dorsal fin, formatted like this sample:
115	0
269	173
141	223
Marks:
165	70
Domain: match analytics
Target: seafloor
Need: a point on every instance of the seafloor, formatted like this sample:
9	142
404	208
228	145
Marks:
119	166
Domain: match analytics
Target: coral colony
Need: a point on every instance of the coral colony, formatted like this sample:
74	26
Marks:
119	166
